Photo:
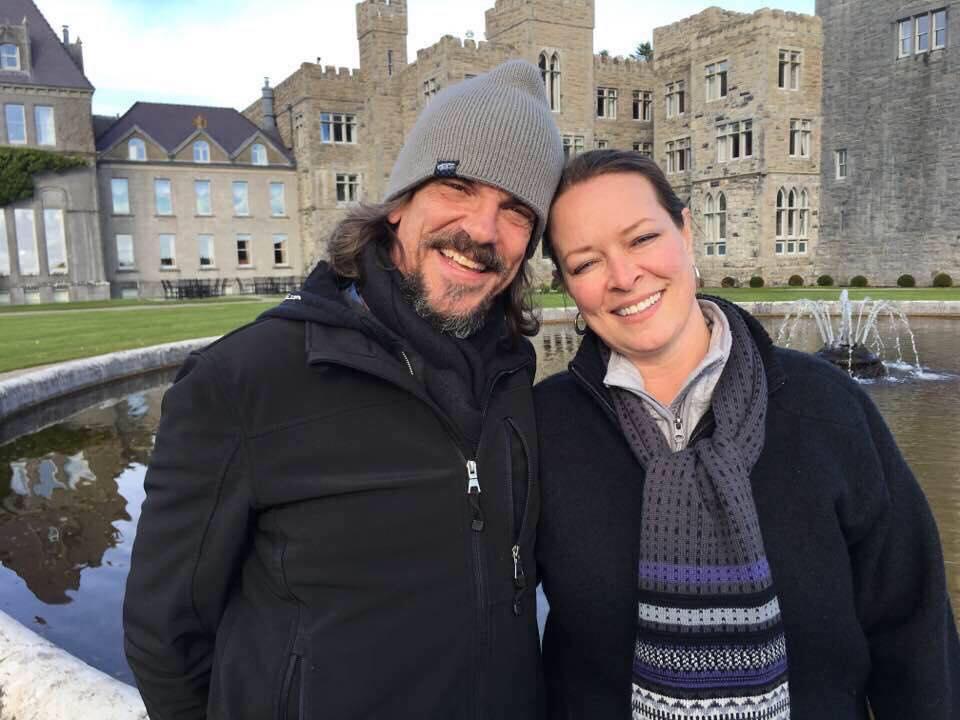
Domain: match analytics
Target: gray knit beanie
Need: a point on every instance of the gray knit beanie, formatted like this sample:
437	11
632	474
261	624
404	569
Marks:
495	128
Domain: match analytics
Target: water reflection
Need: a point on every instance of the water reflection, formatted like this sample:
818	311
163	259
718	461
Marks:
70	494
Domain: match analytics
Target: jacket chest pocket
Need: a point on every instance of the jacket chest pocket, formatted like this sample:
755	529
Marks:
524	502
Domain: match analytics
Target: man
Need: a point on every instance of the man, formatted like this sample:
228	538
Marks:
340	506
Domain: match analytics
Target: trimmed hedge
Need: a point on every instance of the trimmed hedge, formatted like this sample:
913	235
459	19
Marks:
19	165
795	281
942	280
858	281
756	281
906	281
728	282
825	281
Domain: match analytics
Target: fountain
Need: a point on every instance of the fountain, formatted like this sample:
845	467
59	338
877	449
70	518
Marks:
857	347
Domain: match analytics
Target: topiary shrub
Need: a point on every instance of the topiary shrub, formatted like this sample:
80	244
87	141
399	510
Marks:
756	281
906	281
19	165
728	282
795	281
858	281
825	281
942	280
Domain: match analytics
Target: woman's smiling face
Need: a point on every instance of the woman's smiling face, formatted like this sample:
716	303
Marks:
627	265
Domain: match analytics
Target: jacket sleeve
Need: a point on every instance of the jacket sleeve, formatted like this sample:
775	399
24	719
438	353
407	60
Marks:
190	539
902	595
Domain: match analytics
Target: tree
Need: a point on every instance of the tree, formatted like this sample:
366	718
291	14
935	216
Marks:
604	53
643	52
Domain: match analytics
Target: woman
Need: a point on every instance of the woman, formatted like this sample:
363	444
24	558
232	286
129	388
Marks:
728	529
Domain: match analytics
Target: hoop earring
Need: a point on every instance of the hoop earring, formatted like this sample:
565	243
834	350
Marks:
579	324
696	272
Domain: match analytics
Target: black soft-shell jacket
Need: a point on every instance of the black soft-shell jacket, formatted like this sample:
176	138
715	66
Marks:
850	539
317	543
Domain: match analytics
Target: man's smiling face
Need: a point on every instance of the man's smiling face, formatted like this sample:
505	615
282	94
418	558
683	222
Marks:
460	244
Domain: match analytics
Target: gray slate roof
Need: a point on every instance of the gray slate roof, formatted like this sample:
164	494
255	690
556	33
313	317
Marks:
52	64
170	125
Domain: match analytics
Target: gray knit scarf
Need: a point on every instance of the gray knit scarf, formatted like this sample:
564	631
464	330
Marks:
710	639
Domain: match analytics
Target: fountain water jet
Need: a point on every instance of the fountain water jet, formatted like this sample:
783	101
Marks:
857	347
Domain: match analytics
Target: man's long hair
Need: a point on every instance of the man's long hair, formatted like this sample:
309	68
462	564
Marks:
368	223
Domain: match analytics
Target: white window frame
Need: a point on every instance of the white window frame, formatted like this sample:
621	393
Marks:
121	251
572	146
430	88
550	73
55	242
157	182
676	104
196	198
281	239
905	37
715	225
118	208
643	105
173	250
248	239
4	246
602	144
347	188
715	80
840	161
22	122
919	33
792	221
332	123
26	246
258	154
5	55
644	148
801	138
607	103
201	151
241	204
43	127
278	210
736	136
935	31
679	156
210	256
136	150
789	69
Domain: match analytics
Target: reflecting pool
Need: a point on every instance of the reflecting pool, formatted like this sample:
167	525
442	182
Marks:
70	492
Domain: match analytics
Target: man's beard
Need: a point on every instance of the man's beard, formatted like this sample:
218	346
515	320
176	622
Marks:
459	325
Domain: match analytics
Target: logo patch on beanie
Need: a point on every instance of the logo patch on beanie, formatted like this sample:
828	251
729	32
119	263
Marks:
446	168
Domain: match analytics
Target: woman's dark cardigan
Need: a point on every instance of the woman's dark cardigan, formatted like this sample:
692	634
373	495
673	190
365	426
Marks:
850	539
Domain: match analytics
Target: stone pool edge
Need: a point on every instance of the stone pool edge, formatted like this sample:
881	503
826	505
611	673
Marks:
40	681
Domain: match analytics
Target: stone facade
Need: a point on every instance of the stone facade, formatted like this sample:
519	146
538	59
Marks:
894	111
52	248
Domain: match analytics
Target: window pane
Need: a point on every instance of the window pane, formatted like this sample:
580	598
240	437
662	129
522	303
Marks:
923	33
16	124
56	241
27	242
4	247
240	204
278	203
121	196
46	131
136	150
940	28
205	244
201	189
279	249
9	57
201	151
162	196
243	250
259	154
168	255
906	37
125	251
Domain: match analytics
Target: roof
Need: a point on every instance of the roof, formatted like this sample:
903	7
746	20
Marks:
52	64
170	125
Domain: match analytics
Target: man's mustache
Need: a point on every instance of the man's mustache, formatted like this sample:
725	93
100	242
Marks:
461	242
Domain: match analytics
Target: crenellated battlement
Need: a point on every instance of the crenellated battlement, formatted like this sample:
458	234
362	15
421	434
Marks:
618	64
507	14
332	73
450	44
381	16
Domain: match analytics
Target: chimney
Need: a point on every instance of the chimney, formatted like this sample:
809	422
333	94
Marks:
66	34
269	121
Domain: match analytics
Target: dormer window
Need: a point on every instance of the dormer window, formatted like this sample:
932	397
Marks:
9	57
259	153
201	151
136	150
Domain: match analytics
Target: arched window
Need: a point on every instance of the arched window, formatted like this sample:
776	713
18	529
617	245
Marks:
554	91
201	151
804	224
781	211
9	57
259	154
708	222
792	214
721	224
136	150
715	222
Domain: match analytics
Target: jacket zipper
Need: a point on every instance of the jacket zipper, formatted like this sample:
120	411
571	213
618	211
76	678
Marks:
519	576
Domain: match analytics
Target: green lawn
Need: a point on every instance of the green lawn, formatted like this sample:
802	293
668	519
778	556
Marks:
51	336
98	304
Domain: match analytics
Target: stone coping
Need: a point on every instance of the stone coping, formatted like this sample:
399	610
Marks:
28	389
39	681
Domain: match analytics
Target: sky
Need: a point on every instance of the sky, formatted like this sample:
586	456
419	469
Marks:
217	52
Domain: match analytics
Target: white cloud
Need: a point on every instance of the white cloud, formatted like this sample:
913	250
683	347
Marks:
190	54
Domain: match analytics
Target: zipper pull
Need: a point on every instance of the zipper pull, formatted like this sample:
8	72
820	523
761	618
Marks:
473	496
519	579
678	432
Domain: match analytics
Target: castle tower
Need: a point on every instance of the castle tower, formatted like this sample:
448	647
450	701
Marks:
382	34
